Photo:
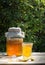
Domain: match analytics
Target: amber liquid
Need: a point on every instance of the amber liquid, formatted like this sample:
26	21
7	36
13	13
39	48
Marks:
27	50
14	47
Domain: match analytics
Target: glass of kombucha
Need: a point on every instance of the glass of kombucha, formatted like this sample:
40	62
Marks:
27	50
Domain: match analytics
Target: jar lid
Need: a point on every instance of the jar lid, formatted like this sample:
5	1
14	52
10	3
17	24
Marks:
14	29
15	32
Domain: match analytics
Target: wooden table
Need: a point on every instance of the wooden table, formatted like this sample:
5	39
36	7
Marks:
39	59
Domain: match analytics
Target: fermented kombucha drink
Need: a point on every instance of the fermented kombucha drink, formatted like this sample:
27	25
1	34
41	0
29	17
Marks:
14	40
27	50
14	46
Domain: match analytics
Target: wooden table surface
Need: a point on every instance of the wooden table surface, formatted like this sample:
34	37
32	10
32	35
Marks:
38	59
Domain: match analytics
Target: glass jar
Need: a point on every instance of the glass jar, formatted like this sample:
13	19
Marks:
14	40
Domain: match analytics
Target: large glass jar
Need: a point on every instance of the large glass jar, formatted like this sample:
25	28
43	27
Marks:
14	40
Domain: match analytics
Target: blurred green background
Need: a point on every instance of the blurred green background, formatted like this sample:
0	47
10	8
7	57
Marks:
27	14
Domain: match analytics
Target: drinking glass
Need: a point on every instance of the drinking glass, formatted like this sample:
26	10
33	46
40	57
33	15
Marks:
27	50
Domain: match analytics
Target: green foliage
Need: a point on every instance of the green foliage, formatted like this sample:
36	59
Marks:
27	14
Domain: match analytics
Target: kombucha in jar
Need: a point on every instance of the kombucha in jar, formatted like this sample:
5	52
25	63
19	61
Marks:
14	40
14	46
